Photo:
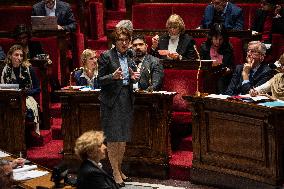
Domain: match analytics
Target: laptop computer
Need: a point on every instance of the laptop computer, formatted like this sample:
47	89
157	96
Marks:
44	23
9	86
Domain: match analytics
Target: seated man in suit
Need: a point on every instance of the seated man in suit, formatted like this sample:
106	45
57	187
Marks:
2	54
222	11
151	71
251	74
268	19
60	9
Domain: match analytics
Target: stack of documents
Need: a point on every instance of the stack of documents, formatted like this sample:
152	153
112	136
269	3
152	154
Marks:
27	172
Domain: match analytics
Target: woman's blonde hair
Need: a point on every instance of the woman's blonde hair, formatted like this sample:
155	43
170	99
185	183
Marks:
8	59
87	53
88	143
176	21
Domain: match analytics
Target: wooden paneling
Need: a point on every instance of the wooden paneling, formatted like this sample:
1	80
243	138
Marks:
239	144
149	150
12	121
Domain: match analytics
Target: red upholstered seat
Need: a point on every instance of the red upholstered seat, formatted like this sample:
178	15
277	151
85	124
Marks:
6	43
191	13
11	16
238	50
184	83
199	41
249	12
96	22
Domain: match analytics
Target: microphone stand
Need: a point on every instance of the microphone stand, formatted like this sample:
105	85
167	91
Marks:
197	93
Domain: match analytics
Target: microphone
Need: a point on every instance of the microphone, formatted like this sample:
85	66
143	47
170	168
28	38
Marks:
197	93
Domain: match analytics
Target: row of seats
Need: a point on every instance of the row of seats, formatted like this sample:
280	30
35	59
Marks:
192	13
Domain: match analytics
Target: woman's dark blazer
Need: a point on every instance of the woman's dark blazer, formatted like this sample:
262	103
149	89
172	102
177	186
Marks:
110	88
91	176
185	47
226	50
81	81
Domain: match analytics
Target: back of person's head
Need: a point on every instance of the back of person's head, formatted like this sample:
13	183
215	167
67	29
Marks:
139	36
20	30
176	21
218	29
125	24
87	144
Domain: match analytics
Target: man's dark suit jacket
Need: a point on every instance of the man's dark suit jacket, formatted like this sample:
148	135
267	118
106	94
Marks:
184	48
277	23
151	64
110	88
262	74
91	176
63	12
234	18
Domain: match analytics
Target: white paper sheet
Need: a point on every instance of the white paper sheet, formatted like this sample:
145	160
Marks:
29	174
24	168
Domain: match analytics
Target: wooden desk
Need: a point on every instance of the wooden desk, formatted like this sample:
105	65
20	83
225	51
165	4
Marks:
44	181
236	144
149	152
12	121
43	66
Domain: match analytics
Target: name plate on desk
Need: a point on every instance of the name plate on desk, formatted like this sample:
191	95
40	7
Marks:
10	86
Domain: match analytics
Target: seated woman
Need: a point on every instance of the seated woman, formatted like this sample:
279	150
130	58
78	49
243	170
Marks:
218	48
87	76
18	70
178	45
91	149
275	85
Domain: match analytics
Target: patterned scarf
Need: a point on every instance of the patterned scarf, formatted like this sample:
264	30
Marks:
277	86
9	77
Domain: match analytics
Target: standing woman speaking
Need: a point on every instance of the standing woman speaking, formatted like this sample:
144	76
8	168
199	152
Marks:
116	76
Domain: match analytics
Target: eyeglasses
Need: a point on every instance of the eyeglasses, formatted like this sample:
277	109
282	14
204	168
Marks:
126	40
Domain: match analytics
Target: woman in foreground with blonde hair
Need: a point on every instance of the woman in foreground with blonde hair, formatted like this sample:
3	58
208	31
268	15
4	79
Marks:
91	150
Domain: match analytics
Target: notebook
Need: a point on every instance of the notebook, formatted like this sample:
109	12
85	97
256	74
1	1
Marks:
44	23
